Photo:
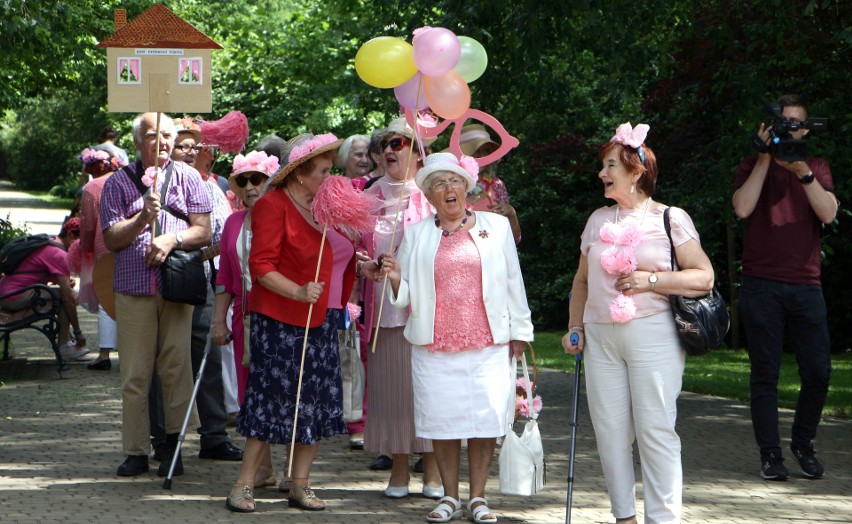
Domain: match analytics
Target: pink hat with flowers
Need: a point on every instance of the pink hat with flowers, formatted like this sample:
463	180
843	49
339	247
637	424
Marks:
253	162
302	148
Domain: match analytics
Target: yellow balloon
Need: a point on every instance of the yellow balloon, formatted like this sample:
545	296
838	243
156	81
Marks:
385	62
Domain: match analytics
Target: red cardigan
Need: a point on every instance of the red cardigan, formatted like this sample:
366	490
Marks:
283	241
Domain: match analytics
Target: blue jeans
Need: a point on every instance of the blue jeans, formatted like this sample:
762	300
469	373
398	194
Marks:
768	309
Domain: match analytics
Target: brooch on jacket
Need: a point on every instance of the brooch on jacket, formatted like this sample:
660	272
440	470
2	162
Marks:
483	234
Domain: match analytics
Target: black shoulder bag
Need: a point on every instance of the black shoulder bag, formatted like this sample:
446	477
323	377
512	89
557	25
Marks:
182	272
701	322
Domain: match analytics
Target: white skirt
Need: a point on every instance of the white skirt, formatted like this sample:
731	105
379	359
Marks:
462	395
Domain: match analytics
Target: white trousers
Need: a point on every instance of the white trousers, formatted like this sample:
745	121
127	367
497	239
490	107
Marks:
106	330
633	378
229	370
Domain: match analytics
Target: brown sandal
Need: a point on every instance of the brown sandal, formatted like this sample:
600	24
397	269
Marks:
303	497
241	493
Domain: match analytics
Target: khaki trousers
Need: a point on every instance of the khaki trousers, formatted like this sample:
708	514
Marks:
152	334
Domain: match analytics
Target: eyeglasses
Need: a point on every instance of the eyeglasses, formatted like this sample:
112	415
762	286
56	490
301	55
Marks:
186	149
443	185
396	144
256	179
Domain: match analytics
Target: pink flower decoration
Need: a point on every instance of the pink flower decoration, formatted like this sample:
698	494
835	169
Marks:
522	408
311	145
354	311
426	120
622	309
610	233
256	161
91	156
630	235
468	163
149	176
626	135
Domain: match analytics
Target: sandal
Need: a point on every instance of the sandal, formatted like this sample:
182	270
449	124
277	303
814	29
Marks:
448	509
303	497
480	513
285	485
266	482
241	493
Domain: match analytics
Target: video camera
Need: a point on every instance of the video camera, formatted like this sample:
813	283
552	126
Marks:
782	145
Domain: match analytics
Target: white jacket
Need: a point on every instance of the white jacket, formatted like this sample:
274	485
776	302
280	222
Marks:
502	284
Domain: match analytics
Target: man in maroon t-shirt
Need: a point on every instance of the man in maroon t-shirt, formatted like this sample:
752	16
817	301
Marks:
784	205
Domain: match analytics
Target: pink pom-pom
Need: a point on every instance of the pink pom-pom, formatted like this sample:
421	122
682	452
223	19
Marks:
630	235
229	133
609	260
610	232
75	257
622	309
625	261
468	163
339	205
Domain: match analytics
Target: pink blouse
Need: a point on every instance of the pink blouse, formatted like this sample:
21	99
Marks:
461	322
653	254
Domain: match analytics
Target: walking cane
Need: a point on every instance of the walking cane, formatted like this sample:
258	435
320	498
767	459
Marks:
167	484
575	339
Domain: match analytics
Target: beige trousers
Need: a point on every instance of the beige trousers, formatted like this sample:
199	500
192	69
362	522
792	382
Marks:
152	334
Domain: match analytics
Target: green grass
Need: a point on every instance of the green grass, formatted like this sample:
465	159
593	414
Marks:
50	200
724	373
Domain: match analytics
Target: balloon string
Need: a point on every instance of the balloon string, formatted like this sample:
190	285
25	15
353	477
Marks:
302	363
419	140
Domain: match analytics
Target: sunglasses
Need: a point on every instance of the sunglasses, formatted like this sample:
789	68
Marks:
256	179
396	144
186	149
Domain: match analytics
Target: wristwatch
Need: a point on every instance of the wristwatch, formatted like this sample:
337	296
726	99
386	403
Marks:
807	179
179	239
652	278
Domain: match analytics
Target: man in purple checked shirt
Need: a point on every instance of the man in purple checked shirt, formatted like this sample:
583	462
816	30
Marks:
152	332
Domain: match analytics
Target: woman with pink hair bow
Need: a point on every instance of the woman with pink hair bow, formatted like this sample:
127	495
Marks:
622	319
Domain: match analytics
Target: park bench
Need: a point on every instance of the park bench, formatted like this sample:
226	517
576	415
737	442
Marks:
41	314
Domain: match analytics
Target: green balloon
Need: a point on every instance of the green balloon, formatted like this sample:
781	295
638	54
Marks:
473	59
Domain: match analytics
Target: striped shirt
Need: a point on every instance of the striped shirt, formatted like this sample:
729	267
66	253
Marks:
121	200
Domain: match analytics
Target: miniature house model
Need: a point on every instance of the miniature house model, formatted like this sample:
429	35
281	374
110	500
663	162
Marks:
158	62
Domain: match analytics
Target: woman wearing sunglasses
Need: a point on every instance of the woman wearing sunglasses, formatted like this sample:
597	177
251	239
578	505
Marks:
390	425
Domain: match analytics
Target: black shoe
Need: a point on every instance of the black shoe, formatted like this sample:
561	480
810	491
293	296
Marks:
381	463
772	467
170	453
133	466
159	449
418	466
103	365
224	451
811	468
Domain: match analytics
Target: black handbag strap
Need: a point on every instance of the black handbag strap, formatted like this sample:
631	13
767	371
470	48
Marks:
668	225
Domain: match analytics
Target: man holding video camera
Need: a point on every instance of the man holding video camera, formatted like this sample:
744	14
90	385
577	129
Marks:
785	202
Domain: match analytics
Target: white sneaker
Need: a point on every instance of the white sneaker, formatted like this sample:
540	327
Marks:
67	346
74	353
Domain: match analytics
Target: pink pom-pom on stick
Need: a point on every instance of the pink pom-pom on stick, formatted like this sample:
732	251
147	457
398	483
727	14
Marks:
229	133
339	205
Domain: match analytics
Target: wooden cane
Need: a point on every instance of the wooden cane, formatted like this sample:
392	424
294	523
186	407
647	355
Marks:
302	363
395	223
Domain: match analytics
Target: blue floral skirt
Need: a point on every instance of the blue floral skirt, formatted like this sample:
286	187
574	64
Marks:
270	399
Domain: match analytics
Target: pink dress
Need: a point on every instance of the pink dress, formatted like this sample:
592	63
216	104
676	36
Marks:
458	288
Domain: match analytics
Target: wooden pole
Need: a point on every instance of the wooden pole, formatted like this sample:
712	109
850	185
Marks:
302	363
156	172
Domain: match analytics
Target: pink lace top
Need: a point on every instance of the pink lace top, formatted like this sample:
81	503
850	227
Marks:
460	319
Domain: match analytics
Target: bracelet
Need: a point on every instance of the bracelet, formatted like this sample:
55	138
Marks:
576	328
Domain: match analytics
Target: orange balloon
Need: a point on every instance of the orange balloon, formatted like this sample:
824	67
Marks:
448	95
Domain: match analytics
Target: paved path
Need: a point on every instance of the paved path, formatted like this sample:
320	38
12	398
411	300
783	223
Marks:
21	208
60	446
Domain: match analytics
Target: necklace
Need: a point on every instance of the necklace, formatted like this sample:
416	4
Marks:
644	211
298	203
467	214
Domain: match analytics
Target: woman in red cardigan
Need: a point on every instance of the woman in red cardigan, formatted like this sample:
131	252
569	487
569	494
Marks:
284	254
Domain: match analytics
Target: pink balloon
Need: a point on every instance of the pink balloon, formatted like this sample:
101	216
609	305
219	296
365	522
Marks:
410	92
436	50
448	95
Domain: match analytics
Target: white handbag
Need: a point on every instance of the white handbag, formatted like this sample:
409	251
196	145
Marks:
522	464
353	374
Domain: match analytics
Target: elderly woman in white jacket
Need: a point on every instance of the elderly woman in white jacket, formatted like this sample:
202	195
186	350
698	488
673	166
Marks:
459	275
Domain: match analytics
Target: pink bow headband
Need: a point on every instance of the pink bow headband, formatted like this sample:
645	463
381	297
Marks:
630	137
